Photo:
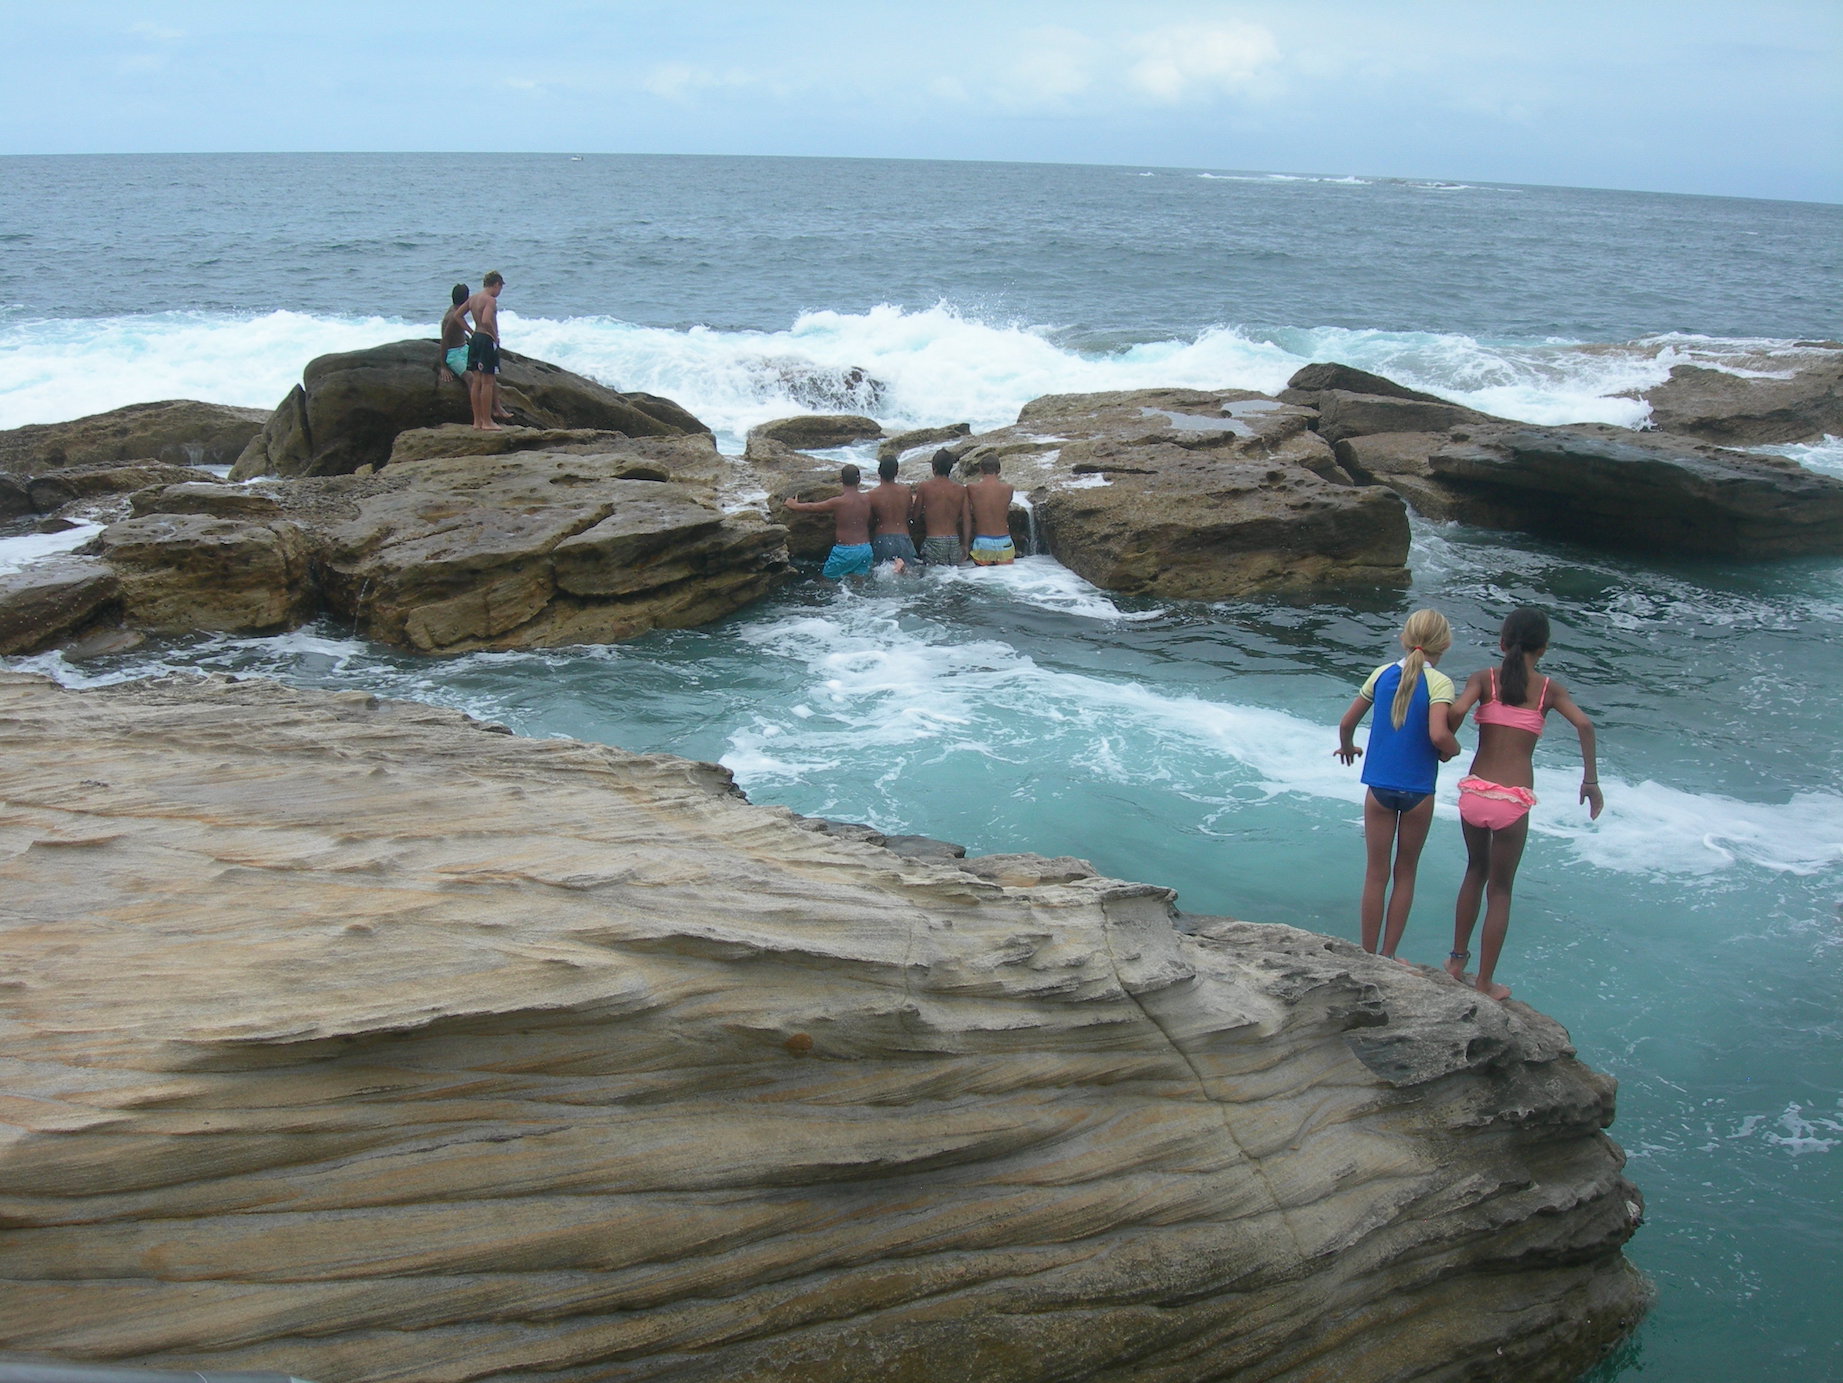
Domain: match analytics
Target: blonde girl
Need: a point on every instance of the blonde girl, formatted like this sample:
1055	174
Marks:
1408	741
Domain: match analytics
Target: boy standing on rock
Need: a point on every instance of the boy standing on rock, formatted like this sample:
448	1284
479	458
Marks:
945	517
989	499
850	554
483	353
893	505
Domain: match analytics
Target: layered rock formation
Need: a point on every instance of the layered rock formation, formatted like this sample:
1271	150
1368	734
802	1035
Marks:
818	430
1605	486
349	408
1187	494
599	540
177	432
349	1040
1780	400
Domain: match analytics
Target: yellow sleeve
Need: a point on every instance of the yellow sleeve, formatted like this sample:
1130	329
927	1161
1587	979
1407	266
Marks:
1368	689
1439	685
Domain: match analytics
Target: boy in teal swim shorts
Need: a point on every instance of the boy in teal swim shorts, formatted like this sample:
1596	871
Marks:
850	555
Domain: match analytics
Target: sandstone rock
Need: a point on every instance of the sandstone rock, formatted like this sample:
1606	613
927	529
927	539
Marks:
1342	415
348	1041
691	459
534	549
51	601
1589	483
15	499
205	497
1613	488
783	474
1801	401
183	572
178	432
1200	495
820	431
921	437
51	490
1311	380
349	408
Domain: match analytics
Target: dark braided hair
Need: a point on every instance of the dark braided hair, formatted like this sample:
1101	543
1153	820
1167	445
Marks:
1526	630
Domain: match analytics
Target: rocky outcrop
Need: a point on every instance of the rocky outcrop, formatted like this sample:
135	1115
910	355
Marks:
50	491
817	430
55	601
348	409
1604	486
689	459
178	432
1797	399
533	549
182	573
348	1040
1187	494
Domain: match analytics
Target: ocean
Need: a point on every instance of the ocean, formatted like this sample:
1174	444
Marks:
1690	939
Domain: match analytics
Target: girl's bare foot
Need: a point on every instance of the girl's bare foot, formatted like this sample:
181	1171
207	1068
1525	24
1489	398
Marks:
1495	991
1455	964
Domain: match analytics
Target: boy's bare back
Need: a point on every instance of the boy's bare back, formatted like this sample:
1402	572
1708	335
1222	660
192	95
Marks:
990	499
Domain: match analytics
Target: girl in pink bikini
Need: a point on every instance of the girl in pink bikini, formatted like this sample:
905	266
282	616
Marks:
1495	797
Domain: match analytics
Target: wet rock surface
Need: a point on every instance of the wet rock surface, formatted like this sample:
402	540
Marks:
1776	404
1608	487
349	1041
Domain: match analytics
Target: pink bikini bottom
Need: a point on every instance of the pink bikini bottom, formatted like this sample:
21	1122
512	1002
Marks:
1492	805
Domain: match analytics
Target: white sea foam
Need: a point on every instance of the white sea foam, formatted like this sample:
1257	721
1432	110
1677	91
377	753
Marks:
936	364
16	553
880	680
1825	457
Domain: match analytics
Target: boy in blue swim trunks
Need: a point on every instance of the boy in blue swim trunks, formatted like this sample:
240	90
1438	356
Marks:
454	336
850	509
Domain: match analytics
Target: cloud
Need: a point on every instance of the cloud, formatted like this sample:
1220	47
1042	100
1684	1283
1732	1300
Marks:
1051	66
1182	63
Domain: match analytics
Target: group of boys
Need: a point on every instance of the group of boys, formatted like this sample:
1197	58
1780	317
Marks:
473	357
959	522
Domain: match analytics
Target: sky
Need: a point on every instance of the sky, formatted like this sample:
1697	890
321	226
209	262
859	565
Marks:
1725	97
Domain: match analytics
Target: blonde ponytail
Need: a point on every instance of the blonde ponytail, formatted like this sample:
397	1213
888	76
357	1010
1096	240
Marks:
1426	635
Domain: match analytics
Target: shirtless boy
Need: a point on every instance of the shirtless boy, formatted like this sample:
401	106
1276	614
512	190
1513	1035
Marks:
947	522
453	363
483	353
892	505
851	534
989	499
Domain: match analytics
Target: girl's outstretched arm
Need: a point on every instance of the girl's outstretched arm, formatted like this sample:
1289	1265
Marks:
1470	697
1590	771
1440	730
1347	729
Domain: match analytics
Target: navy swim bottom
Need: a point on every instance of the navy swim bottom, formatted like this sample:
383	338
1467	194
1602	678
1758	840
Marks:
1390	800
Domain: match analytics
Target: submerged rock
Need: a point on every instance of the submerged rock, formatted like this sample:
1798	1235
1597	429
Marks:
348	409
354	1043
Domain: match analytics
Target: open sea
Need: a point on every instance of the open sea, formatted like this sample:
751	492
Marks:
1690	939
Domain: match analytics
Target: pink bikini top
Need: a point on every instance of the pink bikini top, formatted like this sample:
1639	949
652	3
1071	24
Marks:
1530	718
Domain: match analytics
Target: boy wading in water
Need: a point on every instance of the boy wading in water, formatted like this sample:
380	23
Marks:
893	505
483	353
990	501
851	555
946	519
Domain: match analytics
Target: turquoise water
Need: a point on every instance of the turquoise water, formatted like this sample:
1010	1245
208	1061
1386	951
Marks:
1690	939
